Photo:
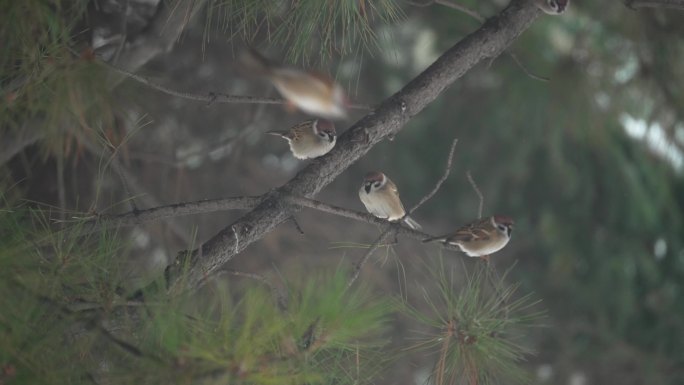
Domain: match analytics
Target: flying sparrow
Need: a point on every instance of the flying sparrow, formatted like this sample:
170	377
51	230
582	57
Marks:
310	139
553	7
381	198
312	92
481	238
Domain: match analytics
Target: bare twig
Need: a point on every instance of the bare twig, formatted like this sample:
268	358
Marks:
475	15
92	323
134	218
478	192
438	185
392	229
525	70
129	180
211	97
61	188
667	4
138	217
278	295
386	234
461	8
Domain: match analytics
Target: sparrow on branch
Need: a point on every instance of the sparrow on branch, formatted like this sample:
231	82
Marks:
310	139
381	198
480	238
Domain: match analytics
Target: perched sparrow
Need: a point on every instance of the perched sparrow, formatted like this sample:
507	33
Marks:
310	139
312	92
381	198
481	238
553	7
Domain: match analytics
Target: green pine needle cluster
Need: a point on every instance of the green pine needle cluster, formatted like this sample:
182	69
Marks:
477	327
64	321
313	30
45	82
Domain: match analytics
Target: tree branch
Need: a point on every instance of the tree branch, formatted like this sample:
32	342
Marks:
488	41
133	218
667	4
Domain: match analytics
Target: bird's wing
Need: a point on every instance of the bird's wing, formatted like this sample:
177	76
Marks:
473	232
392	187
296	132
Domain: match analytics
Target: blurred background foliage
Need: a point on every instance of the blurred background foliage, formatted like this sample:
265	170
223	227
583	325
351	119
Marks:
590	164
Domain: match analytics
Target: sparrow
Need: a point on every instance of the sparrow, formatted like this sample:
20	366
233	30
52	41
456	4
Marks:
310	139
480	238
312	92
381	198
553	7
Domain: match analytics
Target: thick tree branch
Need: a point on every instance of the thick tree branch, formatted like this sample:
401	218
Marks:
667	4
488	41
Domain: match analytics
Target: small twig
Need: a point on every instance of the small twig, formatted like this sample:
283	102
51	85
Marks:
211	97
133	218
525	70
667	4
278	295
86	306
299	228
475	15
438	185
462	8
61	188
359	265
478	192
93	323
128	347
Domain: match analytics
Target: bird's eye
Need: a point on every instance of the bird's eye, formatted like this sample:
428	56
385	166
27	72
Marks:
501	228
322	134
377	184
553	4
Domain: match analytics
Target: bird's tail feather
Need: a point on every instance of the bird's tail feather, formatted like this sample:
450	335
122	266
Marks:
412	223
441	238
283	134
